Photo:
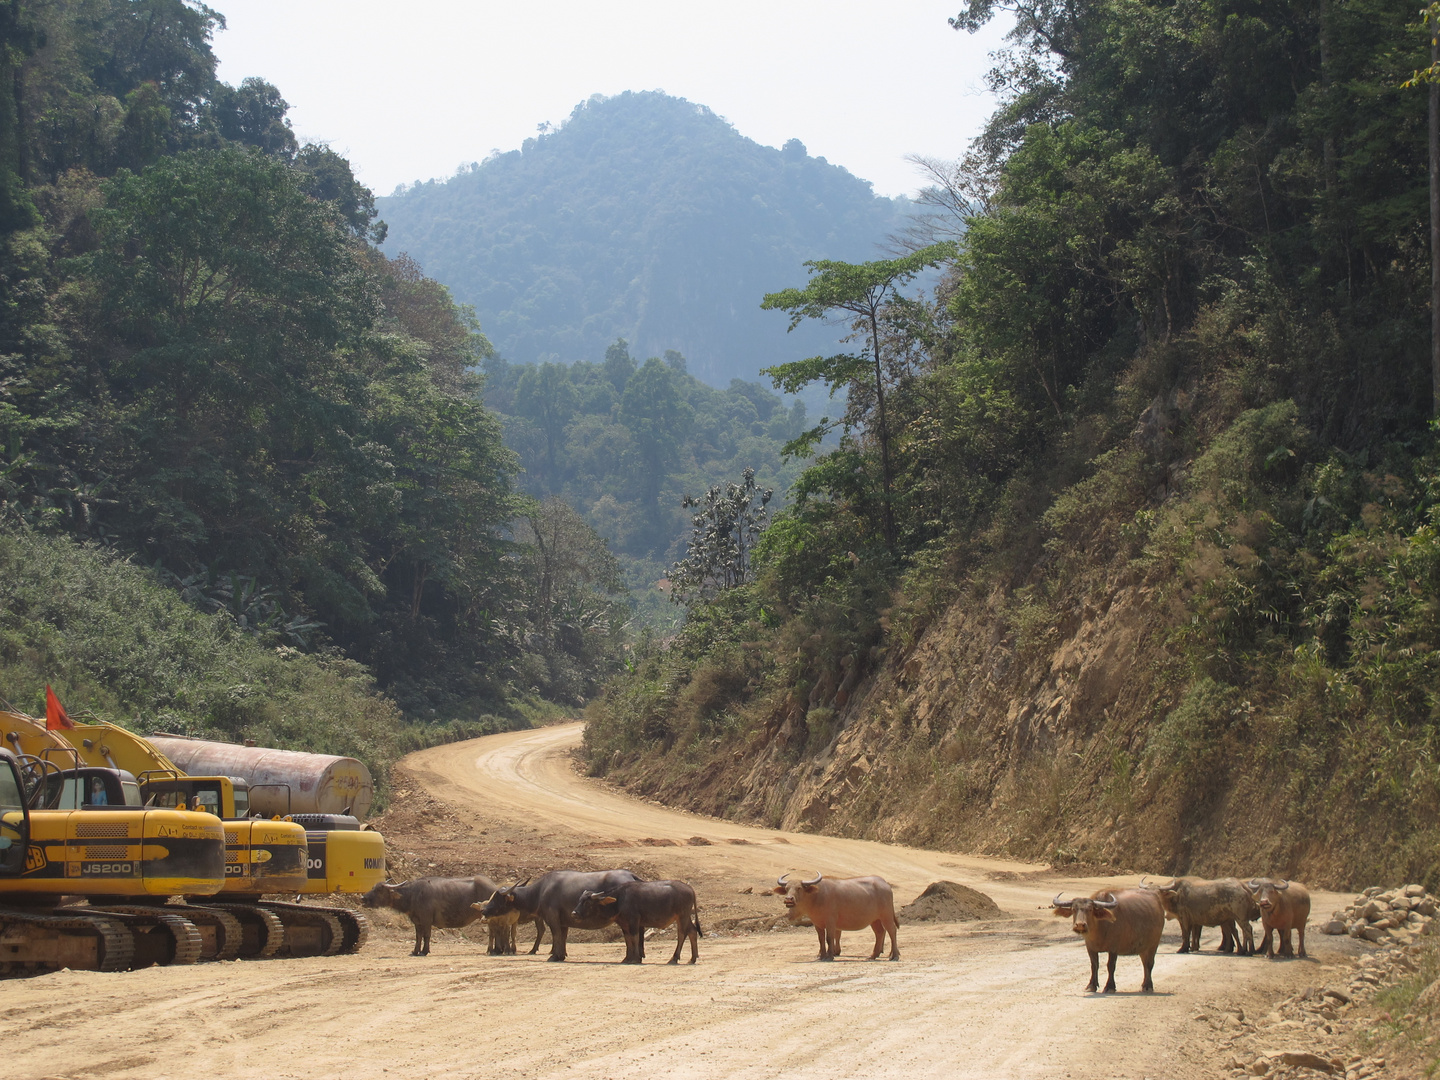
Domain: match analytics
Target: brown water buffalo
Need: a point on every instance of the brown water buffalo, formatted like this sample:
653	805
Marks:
837	904
551	899
1284	906
1124	923
442	902
638	906
1195	903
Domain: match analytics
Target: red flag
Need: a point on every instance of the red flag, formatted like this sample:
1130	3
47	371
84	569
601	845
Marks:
55	716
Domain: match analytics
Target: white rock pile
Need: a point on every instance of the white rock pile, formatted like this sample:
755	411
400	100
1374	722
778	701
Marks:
1386	916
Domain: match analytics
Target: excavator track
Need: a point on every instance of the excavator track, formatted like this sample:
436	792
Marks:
79	939
161	937
356	927
262	932
222	935
309	931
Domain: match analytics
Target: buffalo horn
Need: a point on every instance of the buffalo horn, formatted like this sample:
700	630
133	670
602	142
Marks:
815	880
1112	902
1282	885
1057	902
782	879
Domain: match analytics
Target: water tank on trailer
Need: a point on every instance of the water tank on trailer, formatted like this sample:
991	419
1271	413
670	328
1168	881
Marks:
314	783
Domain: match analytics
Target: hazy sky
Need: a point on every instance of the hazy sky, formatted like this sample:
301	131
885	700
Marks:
410	90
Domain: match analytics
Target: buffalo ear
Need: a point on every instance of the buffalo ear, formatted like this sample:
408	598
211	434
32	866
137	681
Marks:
778	890
607	899
1105	913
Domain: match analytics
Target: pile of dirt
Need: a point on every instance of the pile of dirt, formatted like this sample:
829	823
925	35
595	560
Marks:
947	901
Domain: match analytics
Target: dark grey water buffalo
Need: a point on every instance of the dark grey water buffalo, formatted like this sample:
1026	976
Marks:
443	902
836	904
1195	903
638	906
551	900
1124	923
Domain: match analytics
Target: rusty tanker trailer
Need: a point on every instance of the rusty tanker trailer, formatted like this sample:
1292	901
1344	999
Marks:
281	781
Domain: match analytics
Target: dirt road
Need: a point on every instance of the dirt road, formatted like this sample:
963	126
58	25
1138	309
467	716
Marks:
1000	998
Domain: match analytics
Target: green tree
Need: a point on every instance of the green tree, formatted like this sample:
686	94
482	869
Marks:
547	397
862	292
656	415
724	532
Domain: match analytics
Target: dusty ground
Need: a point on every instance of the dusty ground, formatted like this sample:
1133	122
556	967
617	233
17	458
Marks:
996	998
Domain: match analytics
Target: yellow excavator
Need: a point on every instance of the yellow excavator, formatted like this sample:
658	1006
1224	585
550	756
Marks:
301	854
68	831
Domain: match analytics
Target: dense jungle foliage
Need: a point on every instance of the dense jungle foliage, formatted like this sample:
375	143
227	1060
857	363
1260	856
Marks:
1183	347
207	368
624	443
645	217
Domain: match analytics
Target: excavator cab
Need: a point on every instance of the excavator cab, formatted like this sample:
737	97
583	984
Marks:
227	797
14	817
87	788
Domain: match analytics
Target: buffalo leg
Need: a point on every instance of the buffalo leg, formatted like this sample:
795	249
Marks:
539	935
824	945
1227	936
682	931
633	939
1110	973
1148	961
558	936
418	942
425	930
832	938
1266	947
1286	949
1184	935
1249	936
879	928
1300	932
892	926
1094	971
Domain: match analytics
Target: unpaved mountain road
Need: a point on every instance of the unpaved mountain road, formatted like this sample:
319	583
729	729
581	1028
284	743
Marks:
991	999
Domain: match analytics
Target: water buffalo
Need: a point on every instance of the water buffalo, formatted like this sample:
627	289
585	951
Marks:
1195	903
551	900
1284	906
840	904
442	902
1127	923
638	906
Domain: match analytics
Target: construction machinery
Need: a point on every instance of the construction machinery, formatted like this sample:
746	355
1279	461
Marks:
82	831
307	854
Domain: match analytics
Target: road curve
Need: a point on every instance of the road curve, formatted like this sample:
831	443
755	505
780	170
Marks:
530	776
992	999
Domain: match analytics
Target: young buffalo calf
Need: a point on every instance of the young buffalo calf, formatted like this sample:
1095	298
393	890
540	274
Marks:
643	905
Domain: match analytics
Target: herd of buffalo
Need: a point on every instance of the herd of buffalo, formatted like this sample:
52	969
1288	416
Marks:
1123	922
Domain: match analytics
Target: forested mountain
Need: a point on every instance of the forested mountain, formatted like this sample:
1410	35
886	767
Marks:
643	217
1128	553
207	368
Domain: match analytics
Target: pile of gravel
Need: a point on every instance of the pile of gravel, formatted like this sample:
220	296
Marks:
948	901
